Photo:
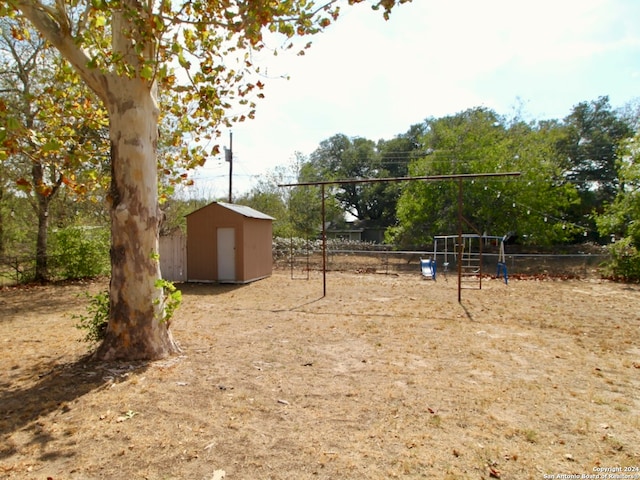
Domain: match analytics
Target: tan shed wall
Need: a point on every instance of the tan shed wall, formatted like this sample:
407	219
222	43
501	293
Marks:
257	255
201	248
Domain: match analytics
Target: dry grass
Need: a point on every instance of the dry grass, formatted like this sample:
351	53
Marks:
385	377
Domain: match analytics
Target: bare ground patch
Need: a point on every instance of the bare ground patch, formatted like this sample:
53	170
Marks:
385	377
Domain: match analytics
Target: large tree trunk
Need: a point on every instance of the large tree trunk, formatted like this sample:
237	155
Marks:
136	327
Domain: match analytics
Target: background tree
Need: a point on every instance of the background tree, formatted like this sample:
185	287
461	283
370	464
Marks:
24	69
462	143
341	157
621	218
536	204
479	141
46	148
593	136
305	205
124	51
175	210
395	156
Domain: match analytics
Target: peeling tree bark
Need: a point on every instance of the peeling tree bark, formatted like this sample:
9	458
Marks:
136	329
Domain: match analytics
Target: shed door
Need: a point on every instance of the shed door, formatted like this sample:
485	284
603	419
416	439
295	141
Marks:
226	254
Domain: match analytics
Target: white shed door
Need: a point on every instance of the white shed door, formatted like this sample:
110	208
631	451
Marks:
226	254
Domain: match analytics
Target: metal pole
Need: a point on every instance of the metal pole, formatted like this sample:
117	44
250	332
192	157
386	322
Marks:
460	244
230	165
324	247
480	259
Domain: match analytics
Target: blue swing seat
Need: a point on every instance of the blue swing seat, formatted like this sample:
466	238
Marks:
502	271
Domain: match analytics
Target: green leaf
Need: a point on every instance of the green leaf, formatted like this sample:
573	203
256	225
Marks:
163	72
183	62
13	123
146	72
51	145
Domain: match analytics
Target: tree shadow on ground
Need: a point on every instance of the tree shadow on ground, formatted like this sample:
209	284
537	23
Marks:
41	299
55	385
200	289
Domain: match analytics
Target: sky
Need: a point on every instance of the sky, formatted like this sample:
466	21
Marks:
367	77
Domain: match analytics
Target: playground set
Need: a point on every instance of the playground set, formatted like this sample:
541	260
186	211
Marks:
466	250
463	247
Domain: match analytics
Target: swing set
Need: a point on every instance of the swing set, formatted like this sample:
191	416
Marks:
459	177
467	252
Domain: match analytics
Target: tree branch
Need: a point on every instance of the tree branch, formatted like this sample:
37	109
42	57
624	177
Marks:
46	20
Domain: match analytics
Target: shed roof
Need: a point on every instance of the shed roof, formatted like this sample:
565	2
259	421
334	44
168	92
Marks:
242	210
246	211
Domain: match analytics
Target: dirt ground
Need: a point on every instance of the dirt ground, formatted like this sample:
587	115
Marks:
387	376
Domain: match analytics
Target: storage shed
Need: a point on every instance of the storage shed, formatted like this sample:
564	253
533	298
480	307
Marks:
228	243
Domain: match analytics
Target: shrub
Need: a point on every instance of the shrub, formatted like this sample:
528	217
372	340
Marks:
80	252
171	299
95	323
97	318
625	261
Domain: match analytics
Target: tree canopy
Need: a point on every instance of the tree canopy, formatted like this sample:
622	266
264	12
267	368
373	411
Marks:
591	145
54	135
479	141
621	217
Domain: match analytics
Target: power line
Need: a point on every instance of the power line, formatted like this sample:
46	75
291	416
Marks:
455	176
545	216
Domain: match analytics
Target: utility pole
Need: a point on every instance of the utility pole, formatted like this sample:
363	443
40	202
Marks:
228	157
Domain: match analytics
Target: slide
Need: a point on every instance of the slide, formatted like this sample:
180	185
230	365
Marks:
428	268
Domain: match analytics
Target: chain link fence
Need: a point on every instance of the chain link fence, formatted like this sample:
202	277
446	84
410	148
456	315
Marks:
300	256
16	269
